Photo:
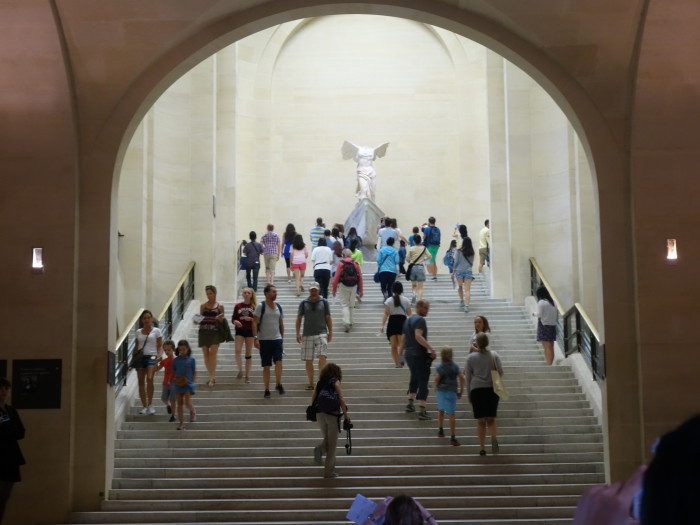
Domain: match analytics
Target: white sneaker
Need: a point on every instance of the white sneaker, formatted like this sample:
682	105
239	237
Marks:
144	411
151	410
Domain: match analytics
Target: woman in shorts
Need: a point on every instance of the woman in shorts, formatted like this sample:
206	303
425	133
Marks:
396	309
483	399
150	340
299	253
243	322
417	256
546	323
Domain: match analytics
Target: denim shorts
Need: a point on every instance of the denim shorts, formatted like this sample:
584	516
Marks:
148	361
464	275
447	401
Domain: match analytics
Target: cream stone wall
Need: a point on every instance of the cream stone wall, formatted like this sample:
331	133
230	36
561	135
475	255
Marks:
259	126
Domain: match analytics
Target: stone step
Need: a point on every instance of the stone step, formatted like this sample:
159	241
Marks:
249	460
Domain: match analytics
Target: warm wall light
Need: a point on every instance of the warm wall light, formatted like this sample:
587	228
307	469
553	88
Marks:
671	251
37	260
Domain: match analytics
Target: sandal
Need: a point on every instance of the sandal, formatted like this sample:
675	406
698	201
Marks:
310	387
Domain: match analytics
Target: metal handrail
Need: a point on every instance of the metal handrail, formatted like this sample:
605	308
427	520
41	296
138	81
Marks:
170	316
575	330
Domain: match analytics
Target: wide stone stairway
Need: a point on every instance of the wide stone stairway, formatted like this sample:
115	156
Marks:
250	460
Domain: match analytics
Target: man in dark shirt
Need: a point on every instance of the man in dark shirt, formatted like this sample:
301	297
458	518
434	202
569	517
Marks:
419	357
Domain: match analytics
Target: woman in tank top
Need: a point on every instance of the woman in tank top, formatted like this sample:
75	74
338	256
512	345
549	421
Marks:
209	331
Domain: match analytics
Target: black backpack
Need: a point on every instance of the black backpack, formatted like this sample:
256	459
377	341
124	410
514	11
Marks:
349	275
327	399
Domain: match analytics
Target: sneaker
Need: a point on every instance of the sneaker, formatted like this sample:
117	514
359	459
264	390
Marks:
482	452
410	407
466	309
267	393
181	426
170	410
495	449
441	434
240	375
333	475
302	288
280	389
318	455
143	411
310	387
454	442
424	416
347	328
151	410
461	304
172	419
247	380
289	281
193	416
434	278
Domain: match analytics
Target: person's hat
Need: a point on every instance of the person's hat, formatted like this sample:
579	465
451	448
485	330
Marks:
314	285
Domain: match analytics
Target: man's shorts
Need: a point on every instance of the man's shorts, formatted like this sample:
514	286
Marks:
447	401
168	394
270	261
482	255
270	351
313	346
432	250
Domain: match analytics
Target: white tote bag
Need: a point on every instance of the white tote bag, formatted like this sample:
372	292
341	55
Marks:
497	381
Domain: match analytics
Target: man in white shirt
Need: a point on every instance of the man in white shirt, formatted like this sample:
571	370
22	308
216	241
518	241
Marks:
484	241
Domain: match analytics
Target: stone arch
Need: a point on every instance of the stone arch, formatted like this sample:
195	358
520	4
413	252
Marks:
101	162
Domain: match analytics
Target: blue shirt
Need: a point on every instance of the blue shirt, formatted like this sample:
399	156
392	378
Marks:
387	259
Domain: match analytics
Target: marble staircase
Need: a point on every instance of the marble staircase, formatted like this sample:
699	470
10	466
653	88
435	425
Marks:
249	460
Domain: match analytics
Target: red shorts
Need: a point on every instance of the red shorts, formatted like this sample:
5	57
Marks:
301	266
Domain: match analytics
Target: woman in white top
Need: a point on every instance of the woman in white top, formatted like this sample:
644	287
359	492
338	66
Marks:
396	309
322	259
150	340
546	323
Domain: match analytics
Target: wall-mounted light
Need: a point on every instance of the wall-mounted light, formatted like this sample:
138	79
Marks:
37	260
671	250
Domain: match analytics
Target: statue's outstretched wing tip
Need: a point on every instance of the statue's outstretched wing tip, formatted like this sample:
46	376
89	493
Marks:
349	150
380	151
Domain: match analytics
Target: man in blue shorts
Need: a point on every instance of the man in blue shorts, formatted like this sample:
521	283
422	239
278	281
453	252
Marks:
268	331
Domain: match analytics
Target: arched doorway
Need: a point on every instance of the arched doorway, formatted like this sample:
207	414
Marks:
103	160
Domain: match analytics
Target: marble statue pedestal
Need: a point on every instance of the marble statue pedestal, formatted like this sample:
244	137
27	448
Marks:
365	219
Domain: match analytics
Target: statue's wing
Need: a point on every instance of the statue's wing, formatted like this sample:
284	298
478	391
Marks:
380	151
349	150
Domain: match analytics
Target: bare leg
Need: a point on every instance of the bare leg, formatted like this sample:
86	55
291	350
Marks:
179	408
266	376
467	291
141	375
481	432
297	274
310	370
248	356
150	373
548	351
441	418
278	371
188	403
239	347
321	362
493	427
460	283
210	362
419	288
453	424
394	341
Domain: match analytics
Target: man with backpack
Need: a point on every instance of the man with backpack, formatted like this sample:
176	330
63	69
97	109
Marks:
318	331
432	242
349	277
268	331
